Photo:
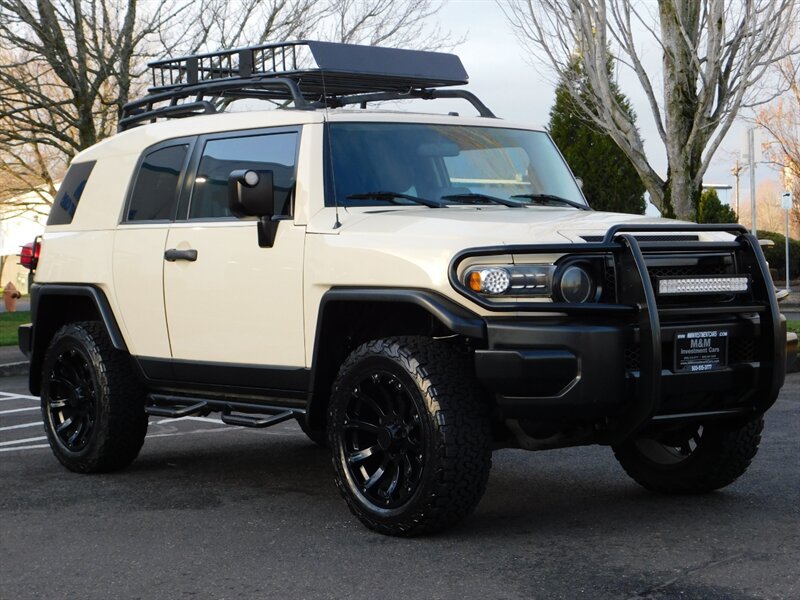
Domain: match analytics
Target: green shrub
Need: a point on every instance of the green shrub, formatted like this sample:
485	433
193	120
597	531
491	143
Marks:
776	255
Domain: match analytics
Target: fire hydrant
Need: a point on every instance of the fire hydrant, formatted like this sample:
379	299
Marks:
10	297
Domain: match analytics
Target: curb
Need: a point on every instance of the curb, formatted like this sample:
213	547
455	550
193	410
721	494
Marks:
16	368
792	358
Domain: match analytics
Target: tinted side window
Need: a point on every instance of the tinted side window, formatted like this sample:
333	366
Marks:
271	152
69	194
156	189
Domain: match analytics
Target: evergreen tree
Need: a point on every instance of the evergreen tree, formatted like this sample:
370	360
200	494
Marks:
711	210
610	182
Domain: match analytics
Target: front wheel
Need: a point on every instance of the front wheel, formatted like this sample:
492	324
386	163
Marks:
410	436
92	404
692	459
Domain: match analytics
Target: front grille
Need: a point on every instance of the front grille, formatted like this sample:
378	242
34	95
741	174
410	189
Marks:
686	270
740	350
633	358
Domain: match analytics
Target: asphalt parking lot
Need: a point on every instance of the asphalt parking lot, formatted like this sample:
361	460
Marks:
211	511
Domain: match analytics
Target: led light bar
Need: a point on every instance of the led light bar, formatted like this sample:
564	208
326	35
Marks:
702	285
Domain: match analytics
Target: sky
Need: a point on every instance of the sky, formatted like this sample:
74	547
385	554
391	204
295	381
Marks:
502	76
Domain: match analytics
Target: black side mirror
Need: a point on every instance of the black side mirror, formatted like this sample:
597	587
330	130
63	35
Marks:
251	194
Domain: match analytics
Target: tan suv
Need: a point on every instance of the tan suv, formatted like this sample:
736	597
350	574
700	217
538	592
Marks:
415	290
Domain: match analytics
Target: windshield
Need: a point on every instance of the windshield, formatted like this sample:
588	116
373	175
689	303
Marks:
376	164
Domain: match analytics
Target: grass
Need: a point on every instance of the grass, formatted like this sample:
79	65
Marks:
8	326
793	325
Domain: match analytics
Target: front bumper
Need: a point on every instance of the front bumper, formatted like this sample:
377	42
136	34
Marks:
561	369
614	359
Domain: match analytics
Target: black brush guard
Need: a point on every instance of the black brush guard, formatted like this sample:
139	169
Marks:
636	303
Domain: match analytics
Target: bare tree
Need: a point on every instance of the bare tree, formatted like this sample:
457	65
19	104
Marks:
712	54
75	63
72	67
781	120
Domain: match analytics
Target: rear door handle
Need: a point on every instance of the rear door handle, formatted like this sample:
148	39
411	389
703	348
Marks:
174	254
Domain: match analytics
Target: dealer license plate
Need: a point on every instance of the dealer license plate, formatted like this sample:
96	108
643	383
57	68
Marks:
697	351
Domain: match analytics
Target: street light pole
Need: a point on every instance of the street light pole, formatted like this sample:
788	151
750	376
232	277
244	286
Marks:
751	152
736	172
786	204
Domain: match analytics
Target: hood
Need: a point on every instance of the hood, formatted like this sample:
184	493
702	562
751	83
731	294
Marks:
487	225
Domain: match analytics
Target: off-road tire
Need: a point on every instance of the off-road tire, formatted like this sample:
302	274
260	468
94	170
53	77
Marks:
112	397
452	430
722	454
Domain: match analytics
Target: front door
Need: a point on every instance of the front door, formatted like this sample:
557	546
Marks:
228	301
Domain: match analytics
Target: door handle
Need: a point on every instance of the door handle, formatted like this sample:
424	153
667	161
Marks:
174	254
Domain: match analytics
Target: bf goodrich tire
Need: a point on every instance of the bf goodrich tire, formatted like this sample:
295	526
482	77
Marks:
692	460
92	403
410	436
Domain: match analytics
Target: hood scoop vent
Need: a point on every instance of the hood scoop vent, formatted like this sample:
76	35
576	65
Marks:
649	238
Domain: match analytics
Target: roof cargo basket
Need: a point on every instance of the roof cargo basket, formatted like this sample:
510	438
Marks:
307	74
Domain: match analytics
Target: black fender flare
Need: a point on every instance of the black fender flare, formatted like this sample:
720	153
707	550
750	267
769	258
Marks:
455	317
40	335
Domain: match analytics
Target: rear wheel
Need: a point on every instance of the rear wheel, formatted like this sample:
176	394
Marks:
410	436
92	403
693	459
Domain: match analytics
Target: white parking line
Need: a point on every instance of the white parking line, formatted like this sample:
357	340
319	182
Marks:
11	396
21	426
18	399
34	447
18	410
23	441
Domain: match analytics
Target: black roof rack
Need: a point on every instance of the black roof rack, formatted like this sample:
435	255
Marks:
309	74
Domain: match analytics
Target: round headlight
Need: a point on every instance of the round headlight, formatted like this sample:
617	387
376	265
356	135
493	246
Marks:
575	285
493	280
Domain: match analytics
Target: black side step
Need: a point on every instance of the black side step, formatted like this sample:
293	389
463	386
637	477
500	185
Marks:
248	421
261	415
187	407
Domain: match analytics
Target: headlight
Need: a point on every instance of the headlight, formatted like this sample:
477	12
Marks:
574	284
528	280
494	280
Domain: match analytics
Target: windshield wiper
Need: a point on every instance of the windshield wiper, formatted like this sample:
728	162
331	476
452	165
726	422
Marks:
486	197
545	198
393	196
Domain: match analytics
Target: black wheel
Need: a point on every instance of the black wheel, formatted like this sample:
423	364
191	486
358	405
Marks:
693	459
92	404
410	436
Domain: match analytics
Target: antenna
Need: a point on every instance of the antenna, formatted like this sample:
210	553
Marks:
338	223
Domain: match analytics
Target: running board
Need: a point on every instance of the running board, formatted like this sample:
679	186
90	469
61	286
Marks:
259	415
248	421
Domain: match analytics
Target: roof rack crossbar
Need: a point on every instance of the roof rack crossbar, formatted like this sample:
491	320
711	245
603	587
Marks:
172	111
424	94
139	111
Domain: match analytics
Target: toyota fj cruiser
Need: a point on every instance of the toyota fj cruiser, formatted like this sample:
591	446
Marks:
415	290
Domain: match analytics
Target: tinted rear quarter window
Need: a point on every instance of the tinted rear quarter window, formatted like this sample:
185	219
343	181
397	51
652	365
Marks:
69	194
155	192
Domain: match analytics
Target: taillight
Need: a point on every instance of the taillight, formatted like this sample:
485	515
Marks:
29	254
